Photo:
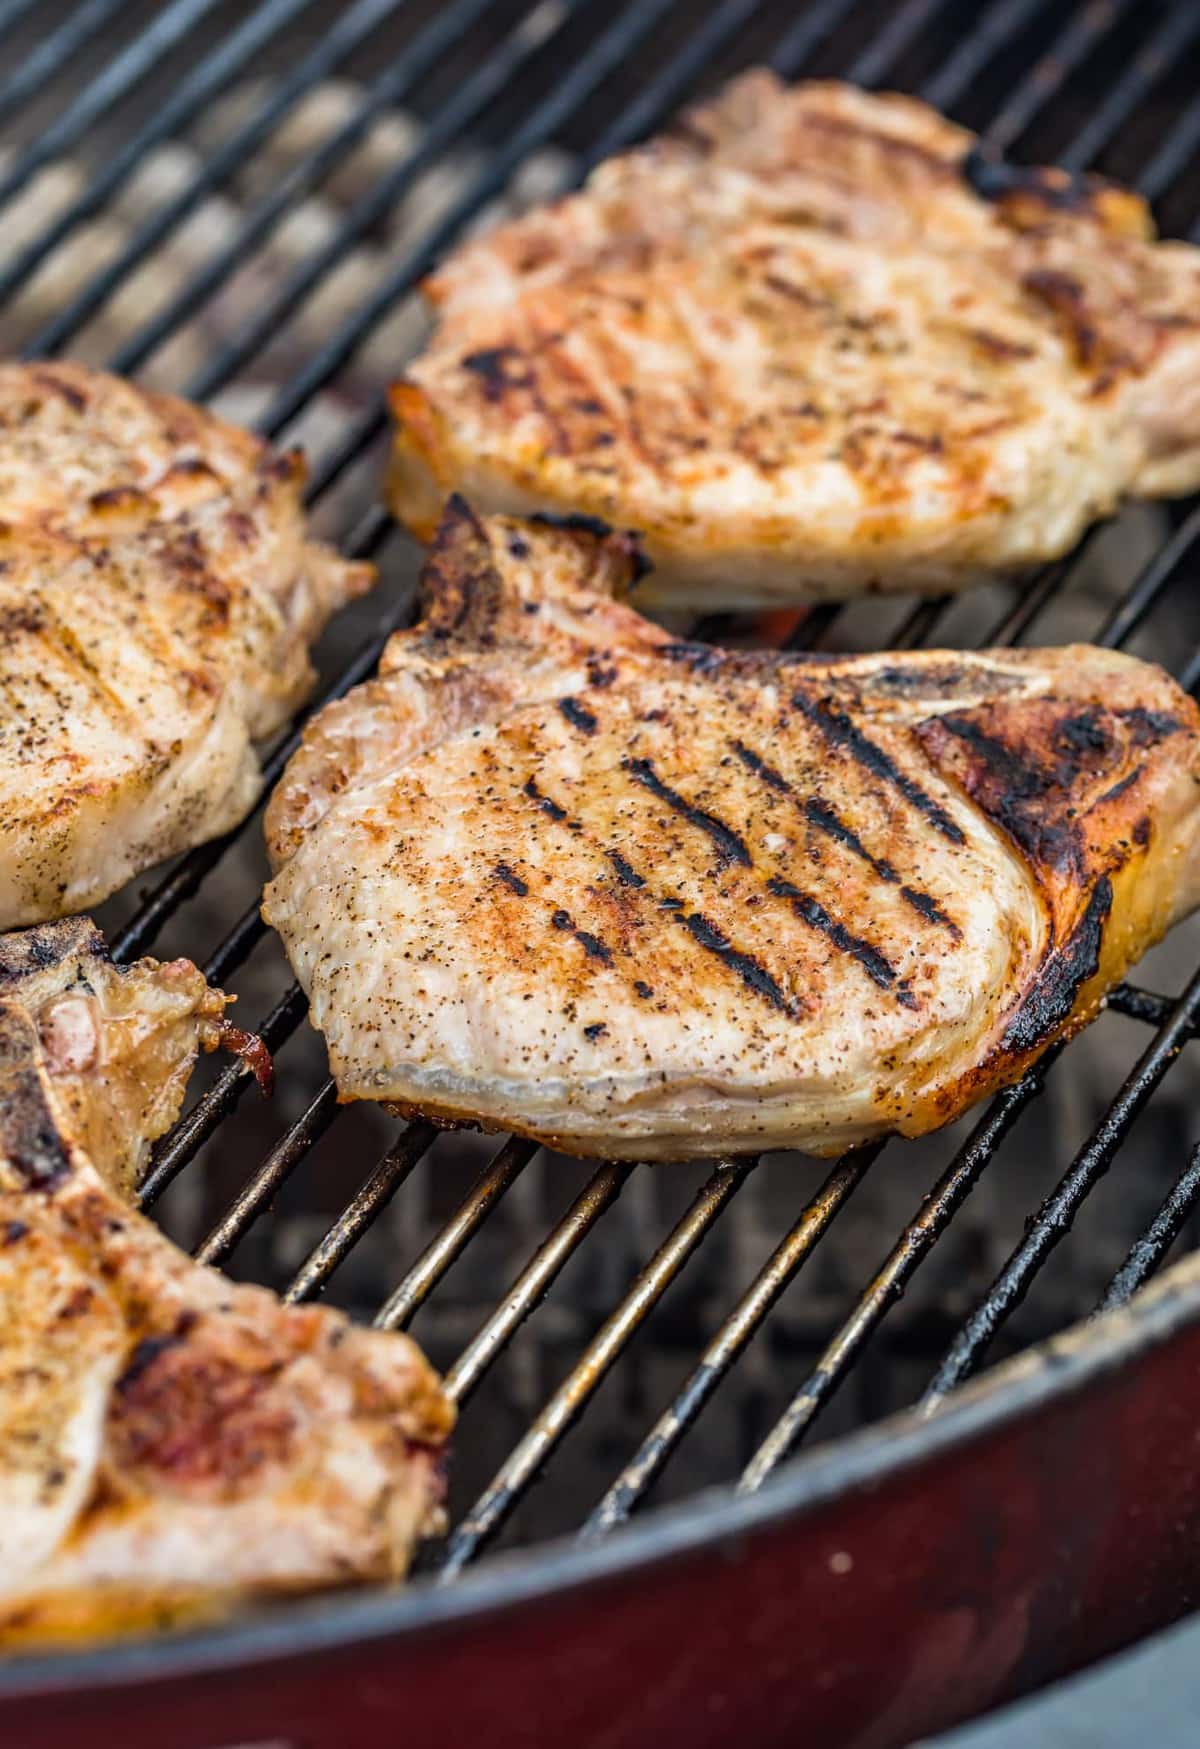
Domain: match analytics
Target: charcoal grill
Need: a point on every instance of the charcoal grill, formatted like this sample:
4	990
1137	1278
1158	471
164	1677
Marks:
953	1540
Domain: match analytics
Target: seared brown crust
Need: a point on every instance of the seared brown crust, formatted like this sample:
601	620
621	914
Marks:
171	1444
811	342
558	872
158	596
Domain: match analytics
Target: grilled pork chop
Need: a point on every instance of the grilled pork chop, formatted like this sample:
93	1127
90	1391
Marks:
158	595
117	1044
811	343
170	1444
558	873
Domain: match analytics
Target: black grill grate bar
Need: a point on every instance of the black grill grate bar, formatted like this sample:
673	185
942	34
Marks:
914	1244
884	50
350	29
54	52
537	1277
989	33
396	82
1147	1252
485	1518
272	1174
1175	154
118	78
1137	601
1054	1219
1175	34
1082	34
668	86
777	1274
209	78
406	1151
469	102
188	1136
632	24
492	1185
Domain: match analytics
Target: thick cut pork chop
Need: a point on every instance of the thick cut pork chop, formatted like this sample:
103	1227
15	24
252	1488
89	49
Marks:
556	872
810	343
170	1444
158	596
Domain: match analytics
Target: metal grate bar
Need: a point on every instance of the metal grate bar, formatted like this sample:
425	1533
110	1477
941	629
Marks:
409	1147
1049	74
667	87
537	1277
621	38
573	1395
779	1271
1054	1219
196	91
350	29
898	34
1175	154
253	1198
118	78
1178	29
1133	607
402	1306
914	1244
1147	1252
997	27
54	52
468	103
416	62
178	1147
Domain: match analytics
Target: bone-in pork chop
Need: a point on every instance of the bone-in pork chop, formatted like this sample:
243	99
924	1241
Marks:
810	342
556	872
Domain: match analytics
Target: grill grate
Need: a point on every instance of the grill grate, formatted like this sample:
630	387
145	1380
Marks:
527	77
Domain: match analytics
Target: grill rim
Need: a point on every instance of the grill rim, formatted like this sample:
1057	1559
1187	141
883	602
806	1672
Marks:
712	1521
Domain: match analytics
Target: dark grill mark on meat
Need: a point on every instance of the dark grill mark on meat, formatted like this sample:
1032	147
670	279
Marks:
1083	733
628	877
700	658
1066	298
512	881
548	807
753	975
826	820
1021	780
14	1232
754	762
577	715
1118	789
1068	968
1148	728
596	1030
143	1357
877	968
591	944
644	990
730	847
601	674
498	368
839	730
